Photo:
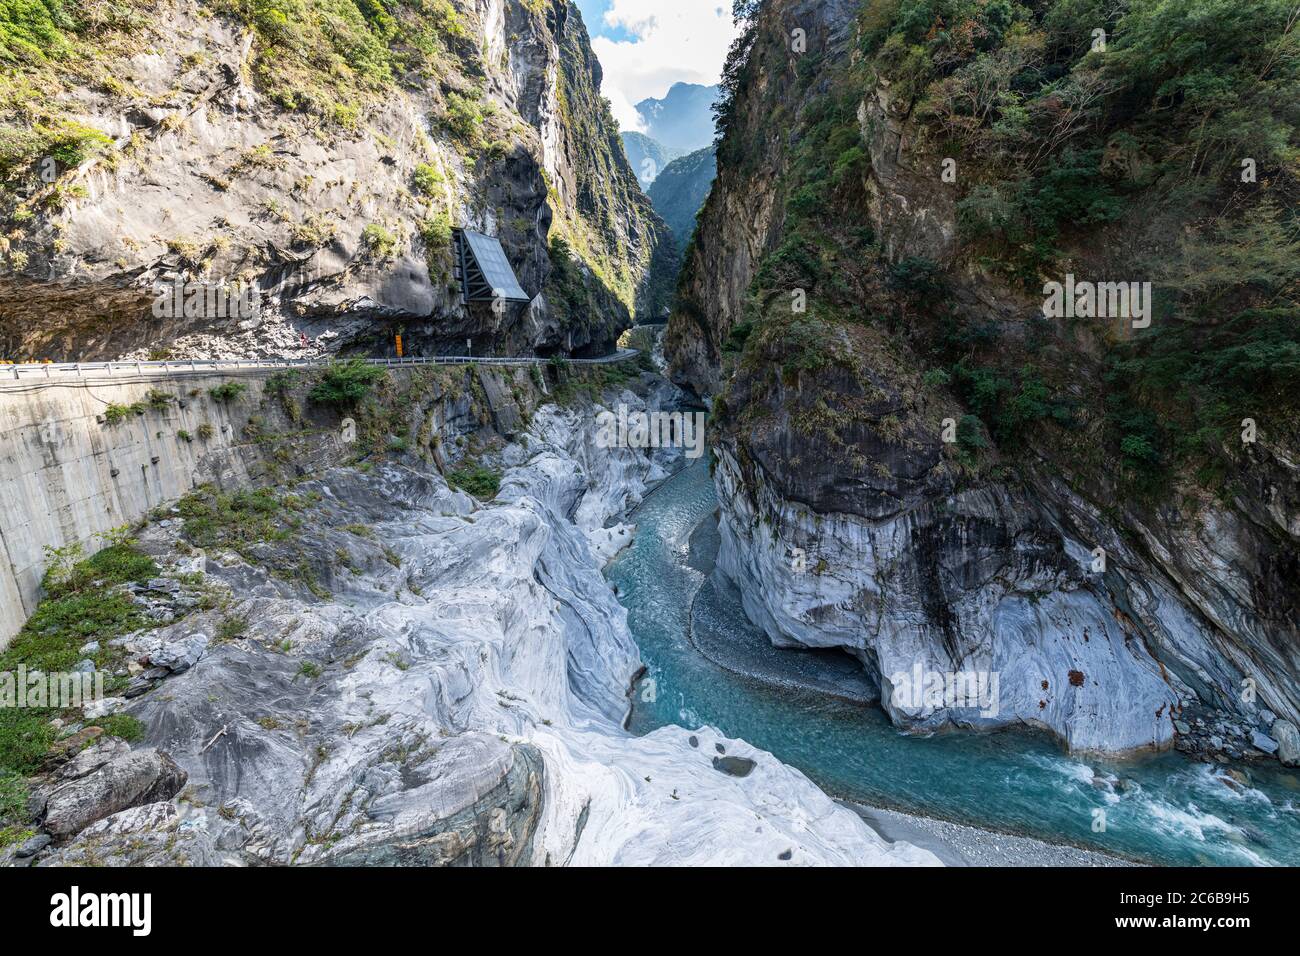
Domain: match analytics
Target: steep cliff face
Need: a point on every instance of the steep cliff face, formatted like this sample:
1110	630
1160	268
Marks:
742	220
921	465
320	152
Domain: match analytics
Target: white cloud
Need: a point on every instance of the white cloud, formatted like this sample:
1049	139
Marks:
673	41
629	120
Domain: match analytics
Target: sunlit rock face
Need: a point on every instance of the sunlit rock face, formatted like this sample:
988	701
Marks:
966	586
459	698
742	220
214	159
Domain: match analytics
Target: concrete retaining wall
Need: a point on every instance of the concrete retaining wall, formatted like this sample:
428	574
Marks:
67	475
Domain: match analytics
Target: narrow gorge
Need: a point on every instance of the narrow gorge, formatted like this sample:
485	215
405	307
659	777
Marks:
314	314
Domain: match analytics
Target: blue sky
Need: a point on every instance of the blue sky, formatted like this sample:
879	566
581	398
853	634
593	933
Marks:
645	46
593	13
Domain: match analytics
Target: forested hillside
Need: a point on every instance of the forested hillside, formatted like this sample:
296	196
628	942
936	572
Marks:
901	185
680	191
1169	157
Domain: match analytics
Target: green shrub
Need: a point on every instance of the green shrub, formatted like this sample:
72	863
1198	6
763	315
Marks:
1010	405
78	607
232	628
25	739
464	118
59	627
1176	393
68	143
379	242
14	816
345	384
918	276
478	480
235	520
436	233
738	336
322	56
14	834
68	573
32	30
228	392
281	383
970	433
1138	451
795	263
122	725
345	115
13	798
428	179
280	386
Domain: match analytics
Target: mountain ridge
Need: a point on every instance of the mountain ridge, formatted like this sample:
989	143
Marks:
682	118
681	190
647	156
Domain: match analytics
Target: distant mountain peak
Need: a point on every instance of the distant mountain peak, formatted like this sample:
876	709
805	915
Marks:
682	120
679	93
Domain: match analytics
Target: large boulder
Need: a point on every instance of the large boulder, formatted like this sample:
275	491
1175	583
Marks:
1288	743
152	834
92	758
130	780
180	656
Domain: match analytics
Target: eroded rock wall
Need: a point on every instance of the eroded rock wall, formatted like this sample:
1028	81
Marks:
849	520
456	699
209	151
83	456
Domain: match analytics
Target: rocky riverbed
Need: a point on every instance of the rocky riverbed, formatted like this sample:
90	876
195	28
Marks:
447	686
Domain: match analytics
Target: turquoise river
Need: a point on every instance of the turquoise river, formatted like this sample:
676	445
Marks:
1162	809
